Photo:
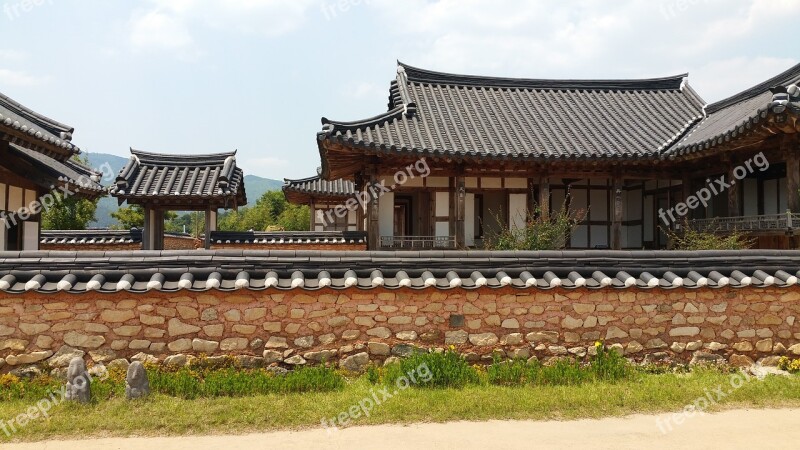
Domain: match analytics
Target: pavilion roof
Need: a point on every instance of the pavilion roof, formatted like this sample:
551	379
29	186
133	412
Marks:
181	181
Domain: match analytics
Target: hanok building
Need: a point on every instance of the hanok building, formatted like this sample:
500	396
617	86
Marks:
36	162
162	182
627	151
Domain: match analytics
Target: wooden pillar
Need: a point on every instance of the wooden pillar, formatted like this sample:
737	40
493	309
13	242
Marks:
619	204
358	185
153	232
544	196
791	151
461	211
211	226
733	191
146	229
373	215
313	219
531	197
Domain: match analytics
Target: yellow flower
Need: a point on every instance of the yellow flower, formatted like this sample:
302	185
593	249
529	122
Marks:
598	344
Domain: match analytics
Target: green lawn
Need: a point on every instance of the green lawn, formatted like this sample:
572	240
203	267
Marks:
164	415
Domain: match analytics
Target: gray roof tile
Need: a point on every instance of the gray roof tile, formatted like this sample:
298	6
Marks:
175	177
433	113
41	129
312	270
741	113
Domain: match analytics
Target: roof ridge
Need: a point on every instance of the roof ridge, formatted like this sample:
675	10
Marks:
783	78
172	156
302	180
415	74
329	125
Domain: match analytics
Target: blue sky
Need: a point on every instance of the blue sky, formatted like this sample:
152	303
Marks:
196	76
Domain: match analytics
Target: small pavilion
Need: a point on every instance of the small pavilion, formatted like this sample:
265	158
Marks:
163	182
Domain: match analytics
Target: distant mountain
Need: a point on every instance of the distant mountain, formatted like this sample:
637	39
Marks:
111	165
256	187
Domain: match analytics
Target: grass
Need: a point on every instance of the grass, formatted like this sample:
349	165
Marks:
502	391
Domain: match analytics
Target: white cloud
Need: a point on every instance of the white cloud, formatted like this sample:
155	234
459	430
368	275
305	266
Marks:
722	78
367	90
159	29
169	24
20	78
597	39
7	54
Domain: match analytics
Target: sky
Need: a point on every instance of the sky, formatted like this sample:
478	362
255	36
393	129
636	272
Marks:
205	76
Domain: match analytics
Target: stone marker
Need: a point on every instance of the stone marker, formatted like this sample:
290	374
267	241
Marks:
78	382
136	384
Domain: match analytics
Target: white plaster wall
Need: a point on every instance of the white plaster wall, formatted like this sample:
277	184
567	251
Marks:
30	235
518	209
386	214
15	200
442	204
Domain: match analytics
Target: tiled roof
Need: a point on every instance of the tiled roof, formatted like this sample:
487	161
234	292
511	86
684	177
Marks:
68	172
742	113
98	236
317	186
433	113
90	237
289	237
40	129
229	270
152	176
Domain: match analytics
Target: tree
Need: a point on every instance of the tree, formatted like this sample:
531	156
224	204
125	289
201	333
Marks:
70	213
271	209
133	217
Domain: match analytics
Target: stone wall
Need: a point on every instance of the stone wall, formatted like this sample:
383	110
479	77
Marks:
298	327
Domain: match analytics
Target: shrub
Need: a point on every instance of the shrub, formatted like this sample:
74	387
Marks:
539	233
509	373
192	383
789	365
562	372
609	365
710	238
447	369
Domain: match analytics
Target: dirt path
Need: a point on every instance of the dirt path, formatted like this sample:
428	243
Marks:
735	429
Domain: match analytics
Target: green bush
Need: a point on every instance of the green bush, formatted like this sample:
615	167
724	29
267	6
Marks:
710	238
447	370
609	365
509	373
562	372
539	232
606	365
191	383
